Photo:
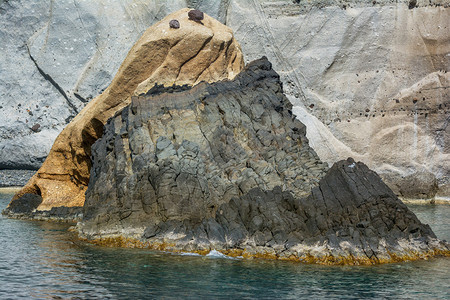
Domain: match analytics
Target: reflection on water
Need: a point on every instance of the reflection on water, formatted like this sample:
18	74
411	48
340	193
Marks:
44	260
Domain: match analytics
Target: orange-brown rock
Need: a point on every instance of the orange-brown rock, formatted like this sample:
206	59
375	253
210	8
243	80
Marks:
195	52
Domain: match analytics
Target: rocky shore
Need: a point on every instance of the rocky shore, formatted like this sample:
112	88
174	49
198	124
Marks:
227	167
9	178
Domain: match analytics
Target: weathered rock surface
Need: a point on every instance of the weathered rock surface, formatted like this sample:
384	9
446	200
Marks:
193	53
227	167
352	217
184	153
336	58
10	178
368	79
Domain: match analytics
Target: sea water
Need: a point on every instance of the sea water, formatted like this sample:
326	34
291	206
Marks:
44	260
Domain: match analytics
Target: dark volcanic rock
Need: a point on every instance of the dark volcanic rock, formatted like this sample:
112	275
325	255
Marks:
25	208
26	204
227	166
351	217
196	15
179	155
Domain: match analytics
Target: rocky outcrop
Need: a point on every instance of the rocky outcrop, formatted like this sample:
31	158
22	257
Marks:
10	178
352	217
193	53
228	167
185	153
336	58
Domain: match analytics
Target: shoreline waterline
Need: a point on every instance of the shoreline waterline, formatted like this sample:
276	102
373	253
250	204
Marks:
439	200
51	262
9	189
432	201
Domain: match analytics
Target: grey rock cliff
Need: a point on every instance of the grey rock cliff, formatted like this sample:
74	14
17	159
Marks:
369	78
226	166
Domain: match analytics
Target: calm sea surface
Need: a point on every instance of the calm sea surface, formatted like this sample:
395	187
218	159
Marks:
44	260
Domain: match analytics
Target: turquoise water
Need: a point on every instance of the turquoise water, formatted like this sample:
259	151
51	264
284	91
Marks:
43	260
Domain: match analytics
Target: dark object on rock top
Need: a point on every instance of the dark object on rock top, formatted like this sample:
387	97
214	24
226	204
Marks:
36	127
195	15
26	204
174	24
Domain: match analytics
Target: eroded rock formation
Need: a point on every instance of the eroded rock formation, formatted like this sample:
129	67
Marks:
352	70
193	53
227	167
336	58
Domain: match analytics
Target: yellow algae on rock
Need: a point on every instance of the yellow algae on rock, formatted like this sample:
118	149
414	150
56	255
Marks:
268	253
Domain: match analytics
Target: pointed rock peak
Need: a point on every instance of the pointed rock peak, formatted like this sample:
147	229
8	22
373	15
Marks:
181	50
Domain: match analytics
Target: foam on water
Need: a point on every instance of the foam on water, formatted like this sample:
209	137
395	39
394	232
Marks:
217	254
188	254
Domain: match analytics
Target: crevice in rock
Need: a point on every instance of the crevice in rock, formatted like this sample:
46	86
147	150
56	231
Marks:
52	82
205	43
223	10
84	27
78	96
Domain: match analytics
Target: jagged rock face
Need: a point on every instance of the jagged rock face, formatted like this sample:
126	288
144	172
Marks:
227	166
193	53
180	155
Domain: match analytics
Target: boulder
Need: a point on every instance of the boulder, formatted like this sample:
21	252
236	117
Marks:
193	53
227	167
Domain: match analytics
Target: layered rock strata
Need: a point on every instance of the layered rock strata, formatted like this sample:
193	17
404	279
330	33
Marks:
195	52
227	167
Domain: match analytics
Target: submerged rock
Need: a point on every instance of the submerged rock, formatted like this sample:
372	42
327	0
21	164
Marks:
227	167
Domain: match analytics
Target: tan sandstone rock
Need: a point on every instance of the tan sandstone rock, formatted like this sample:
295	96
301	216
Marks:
195	52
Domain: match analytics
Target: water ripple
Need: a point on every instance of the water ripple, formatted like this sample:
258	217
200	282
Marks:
43	260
